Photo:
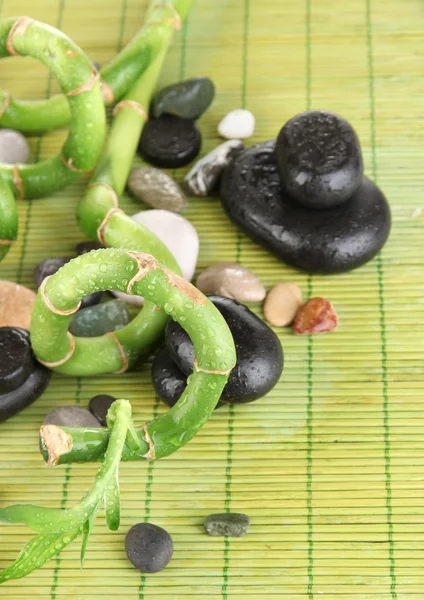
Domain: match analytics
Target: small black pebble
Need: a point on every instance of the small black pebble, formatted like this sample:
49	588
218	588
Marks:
84	247
16	358
99	405
170	142
148	547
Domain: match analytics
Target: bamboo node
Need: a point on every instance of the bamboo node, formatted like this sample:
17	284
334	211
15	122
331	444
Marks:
109	189
71	53
53	309
145	262
62	361
210	371
17	182
185	287
101	229
87	86
19	28
151	453
122	354
5	242
56	442
176	19
6	102
107	92
131	104
69	163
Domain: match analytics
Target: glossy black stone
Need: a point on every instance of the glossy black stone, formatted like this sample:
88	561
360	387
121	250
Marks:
259	352
320	159
49	266
13	402
99	405
16	358
149	547
84	247
317	241
170	142
168	380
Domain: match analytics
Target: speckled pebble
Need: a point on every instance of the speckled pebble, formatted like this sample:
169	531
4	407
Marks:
227	524
149	547
156	188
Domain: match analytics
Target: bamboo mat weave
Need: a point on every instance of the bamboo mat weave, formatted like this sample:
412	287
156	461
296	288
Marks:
330	465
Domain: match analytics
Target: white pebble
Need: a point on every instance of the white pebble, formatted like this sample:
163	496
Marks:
13	147
238	124
177	234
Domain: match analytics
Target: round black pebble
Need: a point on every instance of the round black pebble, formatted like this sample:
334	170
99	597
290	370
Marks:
259	353
148	547
320	159
13	402
84	247
170	142
99	405
169	382
317	241
50	266
16	358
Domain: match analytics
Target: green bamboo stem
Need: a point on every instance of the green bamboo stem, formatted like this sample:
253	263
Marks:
8	219
78	81
38	116
137	273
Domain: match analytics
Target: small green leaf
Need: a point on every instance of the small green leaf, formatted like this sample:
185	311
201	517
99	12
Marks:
87	527
37	552
43	520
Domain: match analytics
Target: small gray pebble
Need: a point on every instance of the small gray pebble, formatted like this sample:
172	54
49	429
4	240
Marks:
100	319
205	176
149	547
99	406
227	524
71	416
13	147
157	189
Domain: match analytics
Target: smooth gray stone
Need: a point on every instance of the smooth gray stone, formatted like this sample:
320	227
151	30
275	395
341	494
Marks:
157	189
227	524
71	416
187	99
100	319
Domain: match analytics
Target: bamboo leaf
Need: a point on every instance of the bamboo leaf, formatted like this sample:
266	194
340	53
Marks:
87	527
37	552
112	503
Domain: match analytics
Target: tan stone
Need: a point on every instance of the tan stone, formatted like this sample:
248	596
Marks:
16	304
231	280
282	303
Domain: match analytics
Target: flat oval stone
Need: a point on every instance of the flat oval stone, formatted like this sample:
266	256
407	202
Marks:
170	142
317	241
168	380
16	362
84	247
149	547
227	524
99	406
320	159
237	124
259	352
50	266
156	188
187	99
16	304
178	234
232	281
14	148
32	388
204	178
100	319
71	416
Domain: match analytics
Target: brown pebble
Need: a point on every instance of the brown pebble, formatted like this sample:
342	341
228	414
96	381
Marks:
232	281
316	316
16	303
282	303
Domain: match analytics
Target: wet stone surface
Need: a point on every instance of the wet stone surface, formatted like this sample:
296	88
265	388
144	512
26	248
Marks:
149	547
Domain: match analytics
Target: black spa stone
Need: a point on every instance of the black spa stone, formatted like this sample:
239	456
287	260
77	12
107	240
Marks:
320	159
317	241
149	547
259	352
170	142
16	358
168	380
15	401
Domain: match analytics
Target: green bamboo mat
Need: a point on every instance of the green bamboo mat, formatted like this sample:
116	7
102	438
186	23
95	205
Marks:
329	466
